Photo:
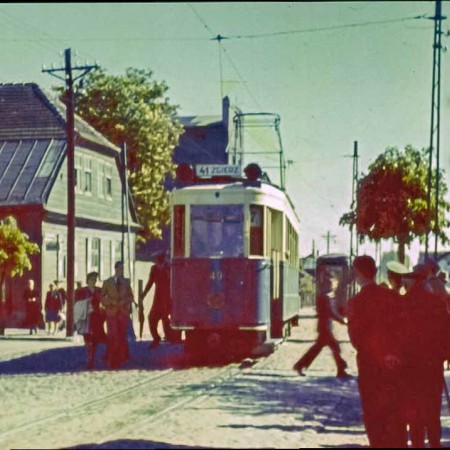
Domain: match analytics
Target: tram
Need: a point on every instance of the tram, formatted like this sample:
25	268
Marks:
336	265
234	259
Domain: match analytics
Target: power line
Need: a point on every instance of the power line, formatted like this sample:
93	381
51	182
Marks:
54	47
193	39
241	78
329	28
201	19
219	39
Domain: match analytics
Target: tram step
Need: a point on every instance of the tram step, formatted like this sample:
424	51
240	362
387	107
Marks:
267	347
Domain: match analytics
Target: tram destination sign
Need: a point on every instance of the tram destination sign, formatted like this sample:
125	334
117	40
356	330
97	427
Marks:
217	170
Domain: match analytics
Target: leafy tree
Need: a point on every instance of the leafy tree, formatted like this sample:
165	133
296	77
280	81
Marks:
392	200
133	108
15	249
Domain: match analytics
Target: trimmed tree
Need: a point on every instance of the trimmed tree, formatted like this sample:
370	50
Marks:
392	200
15	250
134	108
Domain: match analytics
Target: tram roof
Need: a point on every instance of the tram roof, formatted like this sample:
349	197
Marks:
235	187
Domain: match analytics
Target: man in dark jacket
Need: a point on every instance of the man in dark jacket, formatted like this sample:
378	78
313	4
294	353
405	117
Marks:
371	326
425	346
327	312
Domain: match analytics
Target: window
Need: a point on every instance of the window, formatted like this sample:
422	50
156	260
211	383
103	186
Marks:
88	175
291	245
108	180
256	230
118	251
101	179
217	231
178	230
78	173
95	254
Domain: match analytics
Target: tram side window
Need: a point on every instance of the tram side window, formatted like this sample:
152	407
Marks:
256	230
178	230
291	245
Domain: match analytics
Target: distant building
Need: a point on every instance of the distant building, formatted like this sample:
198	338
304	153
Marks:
33	188
205	140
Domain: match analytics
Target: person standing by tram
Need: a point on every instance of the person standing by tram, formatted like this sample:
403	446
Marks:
372	331
326	313
161	307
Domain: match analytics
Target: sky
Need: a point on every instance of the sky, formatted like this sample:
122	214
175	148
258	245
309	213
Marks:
335	73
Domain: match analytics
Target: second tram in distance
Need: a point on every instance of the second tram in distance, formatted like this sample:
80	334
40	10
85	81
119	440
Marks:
234	263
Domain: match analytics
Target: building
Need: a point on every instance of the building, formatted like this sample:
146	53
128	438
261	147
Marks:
33	188
205	140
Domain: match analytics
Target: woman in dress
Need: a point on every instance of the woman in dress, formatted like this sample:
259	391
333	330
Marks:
53	306
94	332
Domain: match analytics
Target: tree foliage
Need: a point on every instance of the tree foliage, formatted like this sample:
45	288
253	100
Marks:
133	108
392	199
15	250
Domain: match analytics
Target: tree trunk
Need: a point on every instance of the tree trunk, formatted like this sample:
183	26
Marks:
401	252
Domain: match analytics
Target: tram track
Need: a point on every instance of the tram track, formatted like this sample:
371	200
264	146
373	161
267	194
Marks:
84	405
170	382
225	375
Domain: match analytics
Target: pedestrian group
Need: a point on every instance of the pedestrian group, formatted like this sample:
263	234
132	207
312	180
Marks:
401	334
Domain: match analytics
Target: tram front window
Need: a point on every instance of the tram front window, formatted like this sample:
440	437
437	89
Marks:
217	231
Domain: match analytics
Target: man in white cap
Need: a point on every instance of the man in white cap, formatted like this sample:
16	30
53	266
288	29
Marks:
395	272
425	334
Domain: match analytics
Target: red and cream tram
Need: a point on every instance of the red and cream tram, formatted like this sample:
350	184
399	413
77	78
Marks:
234	260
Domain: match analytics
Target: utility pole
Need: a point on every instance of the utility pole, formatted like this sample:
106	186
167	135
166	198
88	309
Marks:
125	209
435	126
68	70
328	237
354	196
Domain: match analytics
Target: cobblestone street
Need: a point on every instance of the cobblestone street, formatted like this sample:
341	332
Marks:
154	402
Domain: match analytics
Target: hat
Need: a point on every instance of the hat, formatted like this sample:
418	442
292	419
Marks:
396	267
420	271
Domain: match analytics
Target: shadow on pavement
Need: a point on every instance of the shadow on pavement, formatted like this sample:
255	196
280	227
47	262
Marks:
130	443
73	359
324	405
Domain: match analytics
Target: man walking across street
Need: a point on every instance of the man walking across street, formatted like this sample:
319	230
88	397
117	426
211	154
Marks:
117	297
326	313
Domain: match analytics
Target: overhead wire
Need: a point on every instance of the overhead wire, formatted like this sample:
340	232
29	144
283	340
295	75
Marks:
218	38
15	23
49	42
328	28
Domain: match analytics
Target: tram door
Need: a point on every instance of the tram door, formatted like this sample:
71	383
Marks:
275	246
